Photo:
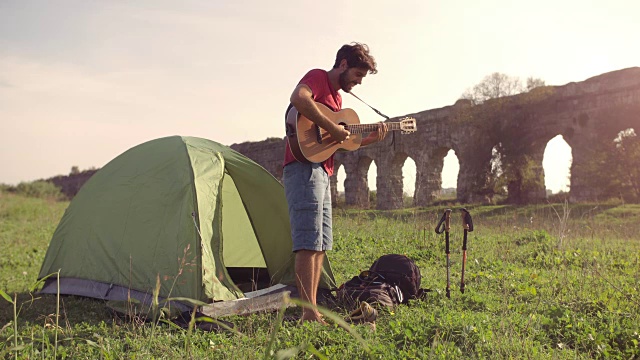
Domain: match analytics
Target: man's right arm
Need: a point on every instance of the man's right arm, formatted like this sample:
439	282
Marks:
302	99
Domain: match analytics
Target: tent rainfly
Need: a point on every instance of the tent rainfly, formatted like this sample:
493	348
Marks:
201	219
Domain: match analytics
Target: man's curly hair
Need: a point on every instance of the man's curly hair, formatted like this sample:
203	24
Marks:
357	55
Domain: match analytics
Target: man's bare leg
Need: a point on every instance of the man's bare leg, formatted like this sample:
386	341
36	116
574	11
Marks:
306	274
318	260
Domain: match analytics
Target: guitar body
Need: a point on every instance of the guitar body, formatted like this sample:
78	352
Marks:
311	143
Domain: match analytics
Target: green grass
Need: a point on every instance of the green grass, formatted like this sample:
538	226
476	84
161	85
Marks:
546	281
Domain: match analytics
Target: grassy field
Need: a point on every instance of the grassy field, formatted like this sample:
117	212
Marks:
545	281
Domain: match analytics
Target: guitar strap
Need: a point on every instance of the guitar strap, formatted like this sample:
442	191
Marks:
372	108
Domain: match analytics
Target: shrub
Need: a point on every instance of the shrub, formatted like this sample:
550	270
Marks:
39	189
373	198
558	198
4	188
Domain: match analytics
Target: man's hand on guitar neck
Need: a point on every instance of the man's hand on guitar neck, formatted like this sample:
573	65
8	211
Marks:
376	136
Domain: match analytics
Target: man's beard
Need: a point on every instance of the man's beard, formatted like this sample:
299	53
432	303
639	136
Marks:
342	80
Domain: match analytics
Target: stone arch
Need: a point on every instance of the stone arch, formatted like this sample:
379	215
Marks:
409	181
337	184
449	174
556	164
372	175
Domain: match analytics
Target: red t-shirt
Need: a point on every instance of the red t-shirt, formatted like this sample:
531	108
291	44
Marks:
318	81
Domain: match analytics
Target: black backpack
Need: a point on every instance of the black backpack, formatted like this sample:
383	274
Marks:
401	271
371	288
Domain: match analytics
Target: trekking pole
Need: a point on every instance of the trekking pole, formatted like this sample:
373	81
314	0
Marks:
467	224
445	225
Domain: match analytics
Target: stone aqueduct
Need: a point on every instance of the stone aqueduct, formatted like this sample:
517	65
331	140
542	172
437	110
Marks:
595	109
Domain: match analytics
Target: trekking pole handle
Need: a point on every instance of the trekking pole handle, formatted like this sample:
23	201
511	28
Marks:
467	221
445	222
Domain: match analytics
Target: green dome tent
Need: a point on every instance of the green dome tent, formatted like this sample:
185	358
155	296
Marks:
205	220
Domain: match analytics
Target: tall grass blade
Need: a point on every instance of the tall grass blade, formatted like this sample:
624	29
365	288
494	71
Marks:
272	337
55	348
314	351
338	320
15	323
5	296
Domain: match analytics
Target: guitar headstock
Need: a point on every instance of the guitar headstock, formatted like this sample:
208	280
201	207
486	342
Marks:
408	125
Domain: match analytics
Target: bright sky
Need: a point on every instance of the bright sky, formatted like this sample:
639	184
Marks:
82	81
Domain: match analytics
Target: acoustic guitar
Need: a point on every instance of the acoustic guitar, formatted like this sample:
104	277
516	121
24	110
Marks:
310	143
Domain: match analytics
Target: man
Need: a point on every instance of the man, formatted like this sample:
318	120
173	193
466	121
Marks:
307	184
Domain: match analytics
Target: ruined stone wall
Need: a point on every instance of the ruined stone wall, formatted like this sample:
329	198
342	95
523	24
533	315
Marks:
596	108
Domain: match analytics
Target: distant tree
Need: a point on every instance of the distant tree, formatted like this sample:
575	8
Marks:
627	156
533	83
373	198
499	85
515	174
602	183
74	170
497	182
493	86
612	168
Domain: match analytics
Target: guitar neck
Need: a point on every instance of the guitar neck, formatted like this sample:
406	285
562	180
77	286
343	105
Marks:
366	128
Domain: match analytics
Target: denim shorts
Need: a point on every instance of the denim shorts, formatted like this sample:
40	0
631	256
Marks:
308	193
